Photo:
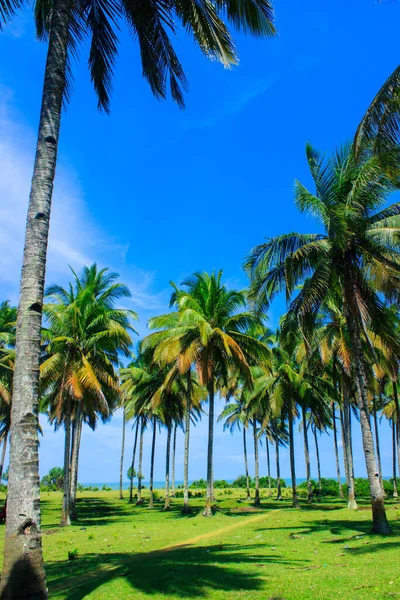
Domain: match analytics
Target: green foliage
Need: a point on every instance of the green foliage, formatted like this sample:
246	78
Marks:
105	488
73	554
131	473
329	488
221	484
240	482
54	480
5	475
199	483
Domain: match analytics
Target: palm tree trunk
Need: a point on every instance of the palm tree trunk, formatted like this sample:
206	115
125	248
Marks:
380	522
335	442
186	508
256	465
395	494
378	449
76	445
3	456
133	462
268	466
65	516
23	543
348	454
153	450
307	455
318	465
207	512
397	407
295	500
167	461
173	462
246	464
121	464
140	474
278	471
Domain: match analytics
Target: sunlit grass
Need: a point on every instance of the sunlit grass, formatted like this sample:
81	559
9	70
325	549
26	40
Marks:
123	551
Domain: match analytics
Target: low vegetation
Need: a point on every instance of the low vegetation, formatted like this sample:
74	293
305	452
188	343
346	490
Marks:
322	551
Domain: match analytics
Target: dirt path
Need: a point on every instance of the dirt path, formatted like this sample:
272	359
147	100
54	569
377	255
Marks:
121	569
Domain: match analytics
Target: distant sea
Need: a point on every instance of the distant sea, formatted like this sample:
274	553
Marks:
161	484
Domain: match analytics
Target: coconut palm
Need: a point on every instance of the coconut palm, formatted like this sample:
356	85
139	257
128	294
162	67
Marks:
356	256
207	331
236	416
78	376
65	25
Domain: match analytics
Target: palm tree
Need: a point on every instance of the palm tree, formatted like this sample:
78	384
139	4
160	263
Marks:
8	318
336	446
121	462
207	331
357	256
132	467
236	416
65	25
86	333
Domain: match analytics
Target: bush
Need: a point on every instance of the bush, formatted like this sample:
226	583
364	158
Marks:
72	554
106	488
199	483
221	484
3	488
95	489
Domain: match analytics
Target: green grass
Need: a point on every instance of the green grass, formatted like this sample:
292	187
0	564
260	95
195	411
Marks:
322	551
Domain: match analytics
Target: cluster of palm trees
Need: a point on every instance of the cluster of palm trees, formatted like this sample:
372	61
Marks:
210	349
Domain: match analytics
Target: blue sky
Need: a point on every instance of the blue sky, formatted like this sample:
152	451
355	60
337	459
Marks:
157	193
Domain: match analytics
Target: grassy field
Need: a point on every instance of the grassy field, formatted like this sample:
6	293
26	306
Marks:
122	551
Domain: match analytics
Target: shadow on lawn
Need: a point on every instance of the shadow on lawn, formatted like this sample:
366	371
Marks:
338	527
184	572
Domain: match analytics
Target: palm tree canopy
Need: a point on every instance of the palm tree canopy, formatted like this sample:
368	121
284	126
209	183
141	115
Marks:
356	255
86	333
207	330
152	25
380	126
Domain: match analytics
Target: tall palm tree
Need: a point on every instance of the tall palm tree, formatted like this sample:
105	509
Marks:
86	332
208	331
121	462
8	318
356	256
236	416
65	24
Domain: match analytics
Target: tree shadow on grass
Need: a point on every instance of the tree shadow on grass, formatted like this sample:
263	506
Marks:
182	572
350	530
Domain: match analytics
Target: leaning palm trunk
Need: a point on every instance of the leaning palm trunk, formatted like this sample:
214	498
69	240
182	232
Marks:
318	465
133	462
268	466
256	466
140	474
3	455
278	472
246	464
378	449
121	463
207	512
307	455
66	505
295	500
173	462
23	543
167	461
395	494
76	445
153	451
380	522
186	508
335	442
348	454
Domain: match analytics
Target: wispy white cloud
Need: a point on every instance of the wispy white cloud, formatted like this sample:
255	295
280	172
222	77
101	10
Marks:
236	104
75	239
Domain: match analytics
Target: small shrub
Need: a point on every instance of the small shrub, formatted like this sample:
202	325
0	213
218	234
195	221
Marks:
95	489
91	536
73	554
